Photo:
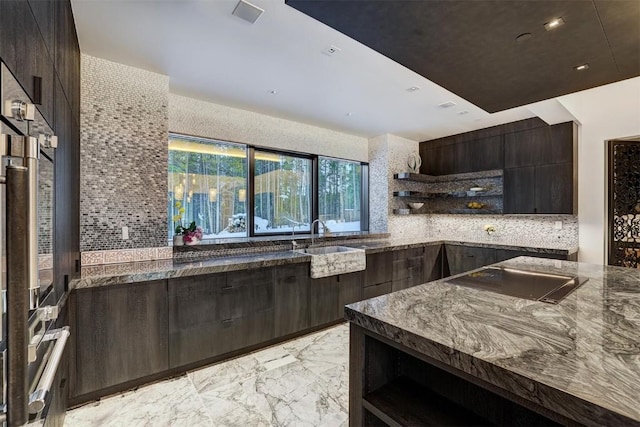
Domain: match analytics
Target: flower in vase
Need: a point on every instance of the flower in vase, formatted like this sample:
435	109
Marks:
490	229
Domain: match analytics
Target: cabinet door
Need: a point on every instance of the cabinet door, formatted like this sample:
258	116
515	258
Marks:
9	12
350	289
121	334
519	190
377	290
324	296
479	155
554	189
248	307
465	258
195	319
379	268
505	254
292	293
432	263
34	68
539	146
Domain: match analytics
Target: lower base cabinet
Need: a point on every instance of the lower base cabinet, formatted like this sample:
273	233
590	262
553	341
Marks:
120	335
124	334
329	295
460	259
220	313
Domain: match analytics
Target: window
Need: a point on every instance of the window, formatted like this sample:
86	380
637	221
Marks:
340	194
282	188
208	181
218	184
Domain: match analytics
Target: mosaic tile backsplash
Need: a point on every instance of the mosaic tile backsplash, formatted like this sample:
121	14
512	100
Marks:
124	122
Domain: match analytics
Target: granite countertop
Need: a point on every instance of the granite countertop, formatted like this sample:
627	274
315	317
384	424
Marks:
132	272
579	358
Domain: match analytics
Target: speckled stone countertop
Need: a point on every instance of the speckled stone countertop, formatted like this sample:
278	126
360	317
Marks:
132	272
579	358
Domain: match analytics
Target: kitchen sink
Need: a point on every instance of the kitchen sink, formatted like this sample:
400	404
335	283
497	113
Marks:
333	260
323	250
532	285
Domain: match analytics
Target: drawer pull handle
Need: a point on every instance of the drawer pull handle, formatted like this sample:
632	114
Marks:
227	321
226	288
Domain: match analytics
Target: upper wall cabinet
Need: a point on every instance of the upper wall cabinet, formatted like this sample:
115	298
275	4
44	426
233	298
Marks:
449	157
540	175
539	162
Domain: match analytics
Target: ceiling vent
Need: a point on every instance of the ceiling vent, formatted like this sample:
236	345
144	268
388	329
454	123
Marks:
447	104
247	11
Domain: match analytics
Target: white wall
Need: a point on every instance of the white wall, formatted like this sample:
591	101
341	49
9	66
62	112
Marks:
606	112
205	119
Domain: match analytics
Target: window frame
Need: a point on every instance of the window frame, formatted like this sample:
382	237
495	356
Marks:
315	180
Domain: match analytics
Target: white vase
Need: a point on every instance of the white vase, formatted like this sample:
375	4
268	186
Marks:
177	240
193	241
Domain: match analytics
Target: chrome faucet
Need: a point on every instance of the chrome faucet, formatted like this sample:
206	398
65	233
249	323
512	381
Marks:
325	229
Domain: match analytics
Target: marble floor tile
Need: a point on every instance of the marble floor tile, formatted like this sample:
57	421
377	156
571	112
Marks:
173	402
302	382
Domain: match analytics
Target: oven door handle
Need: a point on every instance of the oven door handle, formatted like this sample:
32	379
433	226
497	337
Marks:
38	399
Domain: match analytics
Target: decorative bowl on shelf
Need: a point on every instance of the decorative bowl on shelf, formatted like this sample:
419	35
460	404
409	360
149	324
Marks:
415	205
475	205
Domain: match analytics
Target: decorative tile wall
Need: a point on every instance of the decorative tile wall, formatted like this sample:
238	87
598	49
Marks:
200	118
124	121
388	155
536	230
126	255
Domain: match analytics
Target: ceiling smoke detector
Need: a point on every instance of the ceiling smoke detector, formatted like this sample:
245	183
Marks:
413	89
463	112
247	11
331	50
447	104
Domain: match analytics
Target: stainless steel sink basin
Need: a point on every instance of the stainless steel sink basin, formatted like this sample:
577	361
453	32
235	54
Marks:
323	250
334	260
544	287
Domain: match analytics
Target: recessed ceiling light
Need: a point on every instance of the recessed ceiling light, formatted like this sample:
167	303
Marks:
581	67
247	11
553	24
349	114
447	104
463	112
413	88
273	92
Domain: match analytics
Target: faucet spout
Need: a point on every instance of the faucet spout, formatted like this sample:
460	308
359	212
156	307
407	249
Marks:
325	229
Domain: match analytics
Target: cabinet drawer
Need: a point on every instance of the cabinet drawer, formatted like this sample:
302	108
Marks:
376	290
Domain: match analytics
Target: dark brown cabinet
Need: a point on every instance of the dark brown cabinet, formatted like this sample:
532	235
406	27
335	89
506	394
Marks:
408	268
120	334
460	259
217	314
329	295
539	163
449	156
378	276
539	171
465	258
291	299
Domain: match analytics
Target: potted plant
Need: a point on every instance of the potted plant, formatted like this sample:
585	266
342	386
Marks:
190	235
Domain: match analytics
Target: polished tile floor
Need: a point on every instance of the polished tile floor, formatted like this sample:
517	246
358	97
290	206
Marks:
302	382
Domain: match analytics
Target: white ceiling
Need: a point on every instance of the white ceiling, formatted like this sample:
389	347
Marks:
211	55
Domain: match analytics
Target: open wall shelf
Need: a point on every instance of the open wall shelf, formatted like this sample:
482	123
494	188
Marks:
451	194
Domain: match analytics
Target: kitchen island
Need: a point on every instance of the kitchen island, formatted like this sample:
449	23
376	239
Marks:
444	354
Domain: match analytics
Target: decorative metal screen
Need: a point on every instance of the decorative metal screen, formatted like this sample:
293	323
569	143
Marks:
624	203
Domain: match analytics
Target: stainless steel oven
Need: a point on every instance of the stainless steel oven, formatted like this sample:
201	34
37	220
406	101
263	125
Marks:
31	347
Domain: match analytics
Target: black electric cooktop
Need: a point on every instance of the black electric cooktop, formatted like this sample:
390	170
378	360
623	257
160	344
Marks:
544	287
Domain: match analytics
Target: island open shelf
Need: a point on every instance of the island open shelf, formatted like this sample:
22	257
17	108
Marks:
394	386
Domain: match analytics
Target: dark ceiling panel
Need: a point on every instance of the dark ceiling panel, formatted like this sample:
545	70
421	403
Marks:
469	47
621	23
